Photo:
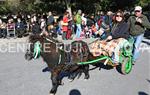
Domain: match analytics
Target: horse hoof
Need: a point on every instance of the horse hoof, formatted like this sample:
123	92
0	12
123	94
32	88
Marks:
70	80
85	79
51	94
62	83
99	68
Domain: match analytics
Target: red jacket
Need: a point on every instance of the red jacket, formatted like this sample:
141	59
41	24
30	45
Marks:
65	27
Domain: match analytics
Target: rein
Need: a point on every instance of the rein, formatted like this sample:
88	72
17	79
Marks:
49	40
37	49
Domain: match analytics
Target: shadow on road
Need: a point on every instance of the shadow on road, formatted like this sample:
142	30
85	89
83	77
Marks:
147	34
101	65
142	93
148	80
46	69
148	43
74	92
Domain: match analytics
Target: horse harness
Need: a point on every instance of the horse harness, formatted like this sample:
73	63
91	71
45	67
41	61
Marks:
68	60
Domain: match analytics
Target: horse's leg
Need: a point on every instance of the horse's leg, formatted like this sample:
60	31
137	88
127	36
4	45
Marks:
78	72
86	71
82	69
55	81
74	74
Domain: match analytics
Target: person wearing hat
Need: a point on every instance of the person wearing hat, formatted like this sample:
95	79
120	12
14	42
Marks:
137	24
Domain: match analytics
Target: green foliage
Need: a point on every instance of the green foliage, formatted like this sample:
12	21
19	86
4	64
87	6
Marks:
27	6
4	9
105	4
89	6
143	3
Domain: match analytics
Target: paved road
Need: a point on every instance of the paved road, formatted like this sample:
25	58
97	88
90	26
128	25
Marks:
20	77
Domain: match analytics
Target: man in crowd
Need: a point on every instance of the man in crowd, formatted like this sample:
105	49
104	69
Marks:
137	24
50	21
20	27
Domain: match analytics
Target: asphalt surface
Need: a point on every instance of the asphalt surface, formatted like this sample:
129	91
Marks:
21	77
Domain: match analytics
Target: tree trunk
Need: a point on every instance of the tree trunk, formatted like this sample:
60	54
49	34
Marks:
68	6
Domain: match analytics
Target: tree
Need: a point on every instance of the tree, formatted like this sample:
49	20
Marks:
144	3
88	6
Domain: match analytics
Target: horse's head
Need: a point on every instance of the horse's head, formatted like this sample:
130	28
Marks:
35	46
53	35
39	44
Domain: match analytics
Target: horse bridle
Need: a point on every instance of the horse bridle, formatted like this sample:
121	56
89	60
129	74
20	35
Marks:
37	49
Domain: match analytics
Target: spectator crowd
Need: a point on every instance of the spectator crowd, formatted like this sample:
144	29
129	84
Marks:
77	26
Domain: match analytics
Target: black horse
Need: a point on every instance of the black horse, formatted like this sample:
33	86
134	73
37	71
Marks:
59	57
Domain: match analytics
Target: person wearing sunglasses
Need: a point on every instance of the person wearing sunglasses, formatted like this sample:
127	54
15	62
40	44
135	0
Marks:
137	23
117	36
120	28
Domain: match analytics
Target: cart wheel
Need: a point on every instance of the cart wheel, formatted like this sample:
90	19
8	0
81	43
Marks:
126	65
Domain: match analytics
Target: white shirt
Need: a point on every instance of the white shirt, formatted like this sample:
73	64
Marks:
84	20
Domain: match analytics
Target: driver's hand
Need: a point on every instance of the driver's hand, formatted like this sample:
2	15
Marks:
109	37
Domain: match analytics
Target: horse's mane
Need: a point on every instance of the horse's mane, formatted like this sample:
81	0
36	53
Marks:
33	38
36	37
82	42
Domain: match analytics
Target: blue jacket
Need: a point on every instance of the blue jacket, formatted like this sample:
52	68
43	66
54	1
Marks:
20	25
